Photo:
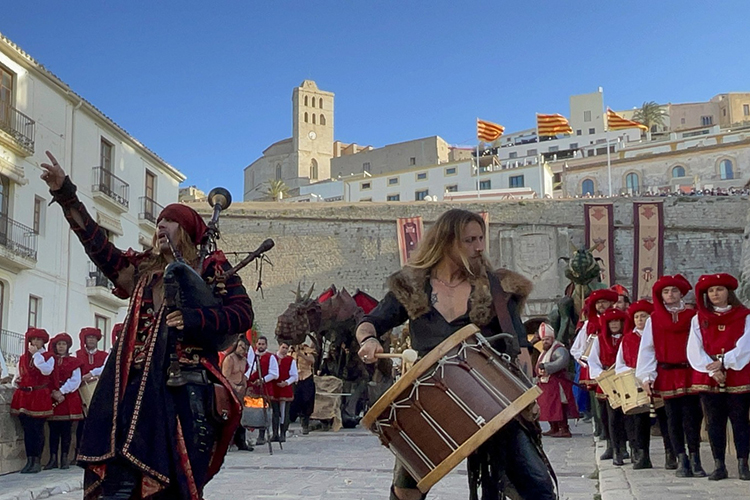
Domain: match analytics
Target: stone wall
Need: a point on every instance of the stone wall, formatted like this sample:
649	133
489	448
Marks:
12	454
354	245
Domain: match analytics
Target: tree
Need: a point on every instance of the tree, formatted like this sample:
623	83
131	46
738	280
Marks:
650	114
277	190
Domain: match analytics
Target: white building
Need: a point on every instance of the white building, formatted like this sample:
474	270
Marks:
46	279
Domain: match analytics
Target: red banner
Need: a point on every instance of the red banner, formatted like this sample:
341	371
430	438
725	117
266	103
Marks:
409	231
599	224
648	240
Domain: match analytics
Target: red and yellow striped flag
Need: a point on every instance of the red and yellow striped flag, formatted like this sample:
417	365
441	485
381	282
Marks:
552	124
488	131
617	122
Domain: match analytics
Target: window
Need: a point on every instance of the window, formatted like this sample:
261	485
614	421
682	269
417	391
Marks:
453	188
420	195
726	170
102	323
724	112
632	183
313	170
38	208
364	186
707	120
515	181
513	154
587	187
306	118
105	155
313	102
35	306
150	188
278	172
2	302
678	171
320	103
531	152
745	109
485	184
313	118
6	95
573	145
366	167
682	121
450	171
393	181
578	132
306	102
587	116
553	149
592	131
393	197
422	176
413	160
322	119
365	199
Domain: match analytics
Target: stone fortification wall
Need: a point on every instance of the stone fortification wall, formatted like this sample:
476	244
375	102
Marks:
355	246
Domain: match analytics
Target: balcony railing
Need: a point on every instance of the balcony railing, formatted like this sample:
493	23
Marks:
97	278
150	210
11	343
108	183
18	125
17	238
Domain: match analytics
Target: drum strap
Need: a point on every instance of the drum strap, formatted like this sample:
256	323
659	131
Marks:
500	300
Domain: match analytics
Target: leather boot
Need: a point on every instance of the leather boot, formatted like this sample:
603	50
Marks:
26	467
670	461
563	431
644	460
52	462
64	462
608	453
695	465
720	471
624	452
683	466
282	435
305	426
261	437
36	466
553	428
743	469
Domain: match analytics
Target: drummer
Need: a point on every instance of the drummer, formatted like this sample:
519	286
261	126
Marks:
92	363
603	357
719	352
446	285
638	426
663	370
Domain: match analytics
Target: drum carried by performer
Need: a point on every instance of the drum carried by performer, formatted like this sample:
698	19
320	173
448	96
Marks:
446	286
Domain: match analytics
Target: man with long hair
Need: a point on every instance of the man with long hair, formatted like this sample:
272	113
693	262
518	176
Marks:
447	285
145	438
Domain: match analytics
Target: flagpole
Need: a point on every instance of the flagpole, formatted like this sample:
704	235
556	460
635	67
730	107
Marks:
539	156
476	181
609	162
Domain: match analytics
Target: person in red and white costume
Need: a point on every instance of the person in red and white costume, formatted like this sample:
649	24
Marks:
89	354
638	426
264	370
32	400
598	302
623	298
719	352
663	370
556	404
66	378
283	392
603	357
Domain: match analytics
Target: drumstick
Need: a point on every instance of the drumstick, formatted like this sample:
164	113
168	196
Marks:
408	356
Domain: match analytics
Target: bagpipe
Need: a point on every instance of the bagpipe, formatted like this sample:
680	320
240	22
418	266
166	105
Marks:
185	288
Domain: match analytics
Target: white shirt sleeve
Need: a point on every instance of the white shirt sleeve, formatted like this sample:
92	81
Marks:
73	383
250	362
739	357
595	364
696	354
273	370
620	365
97	372
3	366
293	374
579	344
45	367
645	367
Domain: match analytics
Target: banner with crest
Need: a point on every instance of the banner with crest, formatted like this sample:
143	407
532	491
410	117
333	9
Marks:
648	240
409	230
599	226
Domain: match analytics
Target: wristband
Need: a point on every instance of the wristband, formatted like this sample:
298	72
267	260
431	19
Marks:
369	337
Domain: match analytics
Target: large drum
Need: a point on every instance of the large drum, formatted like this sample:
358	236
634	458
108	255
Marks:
607	383
448	404
634	399
87	392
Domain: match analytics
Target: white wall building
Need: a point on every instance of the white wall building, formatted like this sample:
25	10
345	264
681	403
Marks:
46	279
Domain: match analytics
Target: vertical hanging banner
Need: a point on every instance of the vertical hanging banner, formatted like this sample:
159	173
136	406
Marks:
409	235
599	224
648	240
486	219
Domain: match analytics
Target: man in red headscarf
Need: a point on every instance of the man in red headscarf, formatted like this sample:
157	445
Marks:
145	437
556	404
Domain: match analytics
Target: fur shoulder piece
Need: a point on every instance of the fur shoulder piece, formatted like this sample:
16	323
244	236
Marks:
515	283
408	286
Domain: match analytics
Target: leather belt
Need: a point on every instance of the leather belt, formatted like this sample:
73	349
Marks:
673	366
34	388
198	377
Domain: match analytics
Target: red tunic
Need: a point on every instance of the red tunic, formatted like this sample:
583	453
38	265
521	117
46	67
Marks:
550	402
253	386
34	394
72	407
592	328
721	332
90	361
608	346
283	393
631	342
674	376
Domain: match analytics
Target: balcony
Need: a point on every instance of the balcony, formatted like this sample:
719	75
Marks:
12	345
149	211
17	244
17	130
110	190
99	290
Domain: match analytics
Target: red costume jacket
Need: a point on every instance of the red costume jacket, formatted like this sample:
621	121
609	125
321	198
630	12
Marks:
721	332
72	407
284	393
670	331
33	397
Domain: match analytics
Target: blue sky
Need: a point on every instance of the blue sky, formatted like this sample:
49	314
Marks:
207	85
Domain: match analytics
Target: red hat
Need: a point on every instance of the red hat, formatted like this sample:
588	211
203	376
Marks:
36	333
116	331
61	337
640	306
621	290
677	280
603	294
612	314
720	279
187	218
87	332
